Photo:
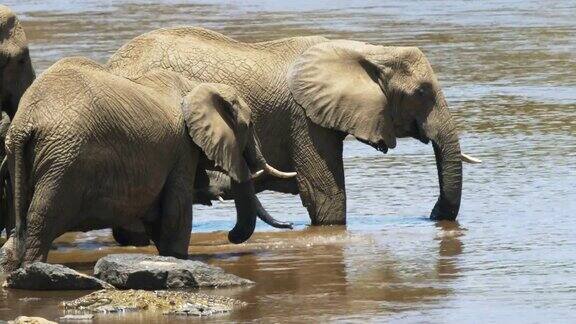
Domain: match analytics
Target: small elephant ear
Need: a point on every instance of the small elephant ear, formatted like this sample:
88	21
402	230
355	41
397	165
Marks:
218	121
339	88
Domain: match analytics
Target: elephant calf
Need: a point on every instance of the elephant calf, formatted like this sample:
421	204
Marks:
88	150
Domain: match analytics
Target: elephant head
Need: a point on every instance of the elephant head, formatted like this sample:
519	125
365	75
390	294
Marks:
378	94
219	123
16	71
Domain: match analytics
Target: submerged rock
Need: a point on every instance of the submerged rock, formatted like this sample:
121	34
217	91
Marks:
167	302
142	271
77	318
45	276
30	320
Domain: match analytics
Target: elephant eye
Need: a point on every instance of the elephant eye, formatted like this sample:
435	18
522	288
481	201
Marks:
425	89
421	92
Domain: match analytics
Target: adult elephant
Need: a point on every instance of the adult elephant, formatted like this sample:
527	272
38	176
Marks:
88	150
16	75
307	94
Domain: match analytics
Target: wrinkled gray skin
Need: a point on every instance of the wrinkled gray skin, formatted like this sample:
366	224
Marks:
16	75
89	150
307	94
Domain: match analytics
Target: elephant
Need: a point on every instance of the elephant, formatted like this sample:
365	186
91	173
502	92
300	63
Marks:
88	149
16	75
307	94
16	71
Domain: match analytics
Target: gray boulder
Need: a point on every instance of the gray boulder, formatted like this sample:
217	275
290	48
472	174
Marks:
142	271
45	276
30	320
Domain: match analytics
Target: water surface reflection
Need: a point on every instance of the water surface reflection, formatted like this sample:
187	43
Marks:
508	69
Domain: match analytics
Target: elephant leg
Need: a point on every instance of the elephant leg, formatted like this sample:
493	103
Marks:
132	234
50	215
174	225
317	156
39	238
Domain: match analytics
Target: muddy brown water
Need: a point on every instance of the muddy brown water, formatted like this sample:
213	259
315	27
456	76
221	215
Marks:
509	73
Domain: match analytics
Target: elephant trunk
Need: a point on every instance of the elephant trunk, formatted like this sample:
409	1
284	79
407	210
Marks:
442	131
246	209
253	152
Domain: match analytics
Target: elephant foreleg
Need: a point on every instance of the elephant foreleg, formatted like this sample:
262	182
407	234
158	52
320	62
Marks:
174	225
318	160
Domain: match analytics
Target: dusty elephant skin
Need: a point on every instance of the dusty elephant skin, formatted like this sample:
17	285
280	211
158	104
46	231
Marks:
142	271
308	93
128	152
45	276
167	302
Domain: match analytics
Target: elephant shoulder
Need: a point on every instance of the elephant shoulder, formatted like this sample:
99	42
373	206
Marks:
76	63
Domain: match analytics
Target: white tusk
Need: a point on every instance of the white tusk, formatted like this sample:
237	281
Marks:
468	159
221	199
277	173
257	174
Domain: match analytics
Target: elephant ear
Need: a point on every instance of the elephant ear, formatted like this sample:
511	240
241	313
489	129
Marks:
218	121
339	88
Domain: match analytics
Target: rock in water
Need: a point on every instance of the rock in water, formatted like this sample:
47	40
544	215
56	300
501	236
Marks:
166	302
77	318
143	271
30	320
45	276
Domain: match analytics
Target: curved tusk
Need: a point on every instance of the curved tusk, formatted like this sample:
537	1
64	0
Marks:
257	174
468	159
277	173
221	199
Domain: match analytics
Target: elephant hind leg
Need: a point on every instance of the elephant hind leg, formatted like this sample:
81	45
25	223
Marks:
52	212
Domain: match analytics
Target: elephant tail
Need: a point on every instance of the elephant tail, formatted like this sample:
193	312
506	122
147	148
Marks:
21	190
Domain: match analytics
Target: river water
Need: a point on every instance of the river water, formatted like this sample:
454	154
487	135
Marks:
508	69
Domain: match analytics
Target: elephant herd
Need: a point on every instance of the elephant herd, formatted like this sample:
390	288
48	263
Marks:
186	115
